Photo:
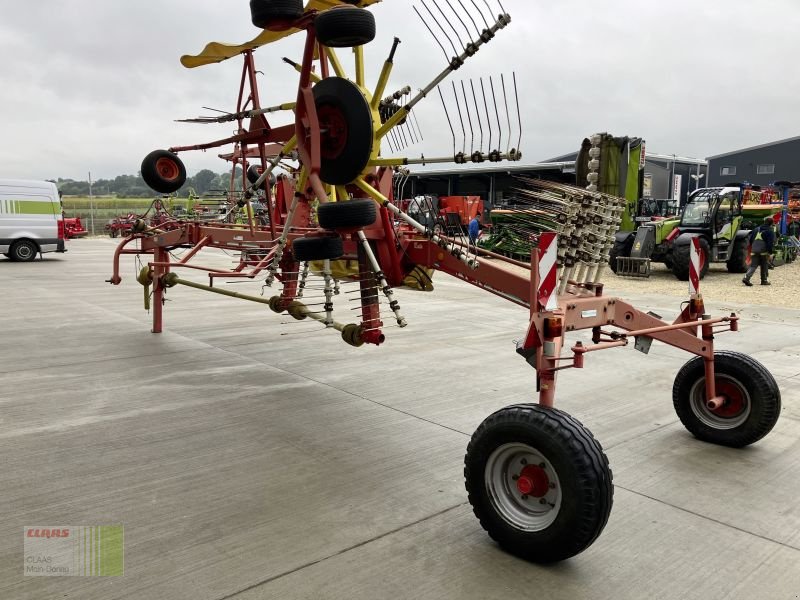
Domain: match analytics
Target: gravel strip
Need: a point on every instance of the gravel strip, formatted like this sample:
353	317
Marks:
717	286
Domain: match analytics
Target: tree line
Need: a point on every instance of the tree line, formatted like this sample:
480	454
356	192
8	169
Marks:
133	186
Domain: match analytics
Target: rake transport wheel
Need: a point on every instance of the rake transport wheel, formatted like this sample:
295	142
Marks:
345	27
346	121
163	171
752	400
538	482
681	258
737	262
275	14
347	214
317	248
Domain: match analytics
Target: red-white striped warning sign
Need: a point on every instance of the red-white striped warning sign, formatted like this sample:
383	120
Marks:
695	265
547	294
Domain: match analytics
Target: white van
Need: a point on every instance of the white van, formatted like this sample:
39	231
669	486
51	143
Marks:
31	220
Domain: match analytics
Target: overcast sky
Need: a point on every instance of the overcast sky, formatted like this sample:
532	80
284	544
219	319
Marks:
95	84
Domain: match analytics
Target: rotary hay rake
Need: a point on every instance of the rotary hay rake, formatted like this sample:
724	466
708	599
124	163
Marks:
537	479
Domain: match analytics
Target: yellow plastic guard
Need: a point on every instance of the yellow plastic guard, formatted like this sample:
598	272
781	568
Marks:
215	52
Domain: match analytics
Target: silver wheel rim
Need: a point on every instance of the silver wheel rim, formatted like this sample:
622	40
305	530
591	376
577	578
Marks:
24	252
697	402
524	512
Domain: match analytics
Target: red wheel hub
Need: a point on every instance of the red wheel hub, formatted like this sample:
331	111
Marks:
334	131
735	402
167	168
533	481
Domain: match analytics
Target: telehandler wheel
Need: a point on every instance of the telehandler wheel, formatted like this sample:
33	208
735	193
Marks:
752	400
275	14
538	482
349	213
737	261
681	257
163	171
619	249
317	248
345	27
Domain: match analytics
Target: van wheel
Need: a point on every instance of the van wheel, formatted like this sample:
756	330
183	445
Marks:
23	251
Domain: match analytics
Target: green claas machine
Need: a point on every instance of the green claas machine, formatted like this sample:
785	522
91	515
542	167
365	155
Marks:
717	217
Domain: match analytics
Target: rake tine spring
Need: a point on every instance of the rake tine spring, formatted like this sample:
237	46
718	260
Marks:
477	113
496	114
477	29
413	116
519	115
488	119
412	134
431	32
489	7
502	7
460	20
444	33
402	136
452	133
460	118
469	119
480	12
508	116
446	20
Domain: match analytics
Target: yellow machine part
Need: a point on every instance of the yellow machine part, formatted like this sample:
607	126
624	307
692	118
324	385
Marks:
215	52
419	278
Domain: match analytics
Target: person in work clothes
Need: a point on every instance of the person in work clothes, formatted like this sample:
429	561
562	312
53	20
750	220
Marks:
474	229
762	240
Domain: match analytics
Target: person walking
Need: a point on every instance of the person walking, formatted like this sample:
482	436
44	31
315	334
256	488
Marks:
474	229
762	241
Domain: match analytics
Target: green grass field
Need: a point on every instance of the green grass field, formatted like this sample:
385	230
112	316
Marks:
106	208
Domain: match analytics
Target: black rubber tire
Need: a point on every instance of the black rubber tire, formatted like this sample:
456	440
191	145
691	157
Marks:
680	260
163	171
733	371
576	457
317	248
113	233
345	27
347	214
253	173
737	261
268	14
344	113
619	249
23	251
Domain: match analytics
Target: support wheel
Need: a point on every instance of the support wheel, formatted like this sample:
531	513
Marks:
163	171
317	248
275	14
23	251
681	257
346	121
737	262
345	27
347	214
538	482
752	400
254	172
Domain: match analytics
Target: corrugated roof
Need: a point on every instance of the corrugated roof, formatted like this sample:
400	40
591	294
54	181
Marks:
786	141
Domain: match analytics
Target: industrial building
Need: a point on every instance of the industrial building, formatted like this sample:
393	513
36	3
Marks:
758	165
665	176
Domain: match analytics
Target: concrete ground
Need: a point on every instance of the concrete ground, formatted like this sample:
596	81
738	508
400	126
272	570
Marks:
251	456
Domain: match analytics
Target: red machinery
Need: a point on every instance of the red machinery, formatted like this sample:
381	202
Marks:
73	228
537	479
